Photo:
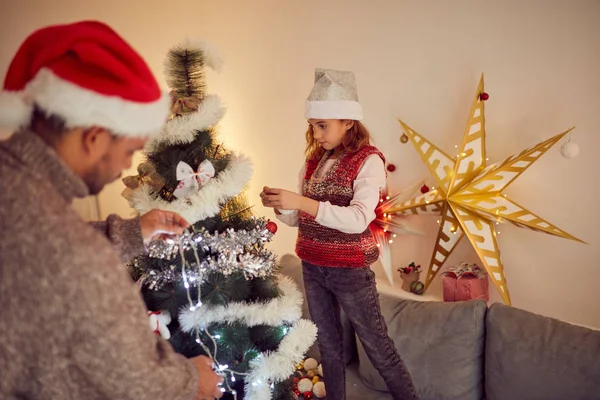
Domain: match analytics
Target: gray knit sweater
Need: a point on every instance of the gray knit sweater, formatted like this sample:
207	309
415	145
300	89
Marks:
72	323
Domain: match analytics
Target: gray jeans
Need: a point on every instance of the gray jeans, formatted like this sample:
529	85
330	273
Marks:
353	289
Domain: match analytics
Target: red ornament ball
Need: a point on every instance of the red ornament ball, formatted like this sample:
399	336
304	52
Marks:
272	227
424	189
391	167
307	395
484	96
297	392
296	380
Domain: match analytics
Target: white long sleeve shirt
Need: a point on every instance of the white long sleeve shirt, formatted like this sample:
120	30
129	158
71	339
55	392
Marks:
355	218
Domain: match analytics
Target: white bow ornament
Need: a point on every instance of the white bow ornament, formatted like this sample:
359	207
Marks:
190	179
158	321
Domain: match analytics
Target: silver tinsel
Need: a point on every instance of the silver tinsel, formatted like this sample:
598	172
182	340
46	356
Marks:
227	252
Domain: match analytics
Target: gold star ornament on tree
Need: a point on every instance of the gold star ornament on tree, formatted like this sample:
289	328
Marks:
468	196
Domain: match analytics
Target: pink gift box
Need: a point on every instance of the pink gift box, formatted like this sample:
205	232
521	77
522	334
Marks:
466	286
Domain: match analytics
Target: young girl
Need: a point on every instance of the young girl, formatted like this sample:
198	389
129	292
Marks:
340	186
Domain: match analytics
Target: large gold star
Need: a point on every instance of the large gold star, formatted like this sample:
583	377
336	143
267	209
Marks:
469	198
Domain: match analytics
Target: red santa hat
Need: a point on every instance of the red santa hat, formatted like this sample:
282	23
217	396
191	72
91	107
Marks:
87	74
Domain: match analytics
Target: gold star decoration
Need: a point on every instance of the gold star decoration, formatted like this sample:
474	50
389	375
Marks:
469	197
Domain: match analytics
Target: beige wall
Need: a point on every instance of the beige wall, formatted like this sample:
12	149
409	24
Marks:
419	60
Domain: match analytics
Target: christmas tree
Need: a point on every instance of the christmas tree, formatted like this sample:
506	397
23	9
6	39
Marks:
215	290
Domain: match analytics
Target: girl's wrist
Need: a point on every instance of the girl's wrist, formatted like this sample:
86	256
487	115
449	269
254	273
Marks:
309	206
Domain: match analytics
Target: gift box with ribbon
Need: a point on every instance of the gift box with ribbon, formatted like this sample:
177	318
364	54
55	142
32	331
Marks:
465	282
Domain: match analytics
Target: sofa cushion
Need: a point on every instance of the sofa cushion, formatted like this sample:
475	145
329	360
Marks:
442	345
531	357
292	266
356	390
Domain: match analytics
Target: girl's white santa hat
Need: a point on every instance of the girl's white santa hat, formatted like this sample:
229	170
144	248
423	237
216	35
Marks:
87	74
334	96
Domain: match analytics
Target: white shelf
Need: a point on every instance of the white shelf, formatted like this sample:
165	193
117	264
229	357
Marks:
384	287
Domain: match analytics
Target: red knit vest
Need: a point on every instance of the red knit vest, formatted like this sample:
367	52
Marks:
327	247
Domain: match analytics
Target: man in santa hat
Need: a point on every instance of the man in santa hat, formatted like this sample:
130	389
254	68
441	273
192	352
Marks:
81	101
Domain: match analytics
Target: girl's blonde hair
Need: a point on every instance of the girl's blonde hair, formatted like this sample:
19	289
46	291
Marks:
355	139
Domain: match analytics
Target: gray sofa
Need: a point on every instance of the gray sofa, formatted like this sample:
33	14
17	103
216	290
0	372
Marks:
467	351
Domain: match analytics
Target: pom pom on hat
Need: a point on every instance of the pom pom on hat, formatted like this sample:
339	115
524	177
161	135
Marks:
15	110
88	75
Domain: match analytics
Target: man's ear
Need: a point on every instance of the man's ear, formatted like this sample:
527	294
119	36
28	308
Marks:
95	141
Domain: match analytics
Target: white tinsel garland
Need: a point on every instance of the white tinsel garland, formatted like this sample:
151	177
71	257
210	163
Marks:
205	203
259	265
279	311
271	367
279	365
183	129
225	252
230	241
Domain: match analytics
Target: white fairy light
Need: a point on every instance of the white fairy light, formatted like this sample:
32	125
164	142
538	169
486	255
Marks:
223	369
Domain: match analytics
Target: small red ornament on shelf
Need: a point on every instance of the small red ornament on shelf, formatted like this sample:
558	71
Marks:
412	267
391	167
424	189
484	96
297	392
307	395
272	227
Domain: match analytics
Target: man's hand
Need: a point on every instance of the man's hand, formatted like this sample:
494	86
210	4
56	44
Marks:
208	379
158	223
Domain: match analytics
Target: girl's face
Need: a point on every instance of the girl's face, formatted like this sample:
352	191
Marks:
330	132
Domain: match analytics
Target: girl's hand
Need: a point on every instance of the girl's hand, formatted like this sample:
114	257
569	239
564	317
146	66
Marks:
281	199
263	197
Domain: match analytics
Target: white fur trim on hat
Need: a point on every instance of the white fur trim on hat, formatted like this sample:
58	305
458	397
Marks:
81	107
334	109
